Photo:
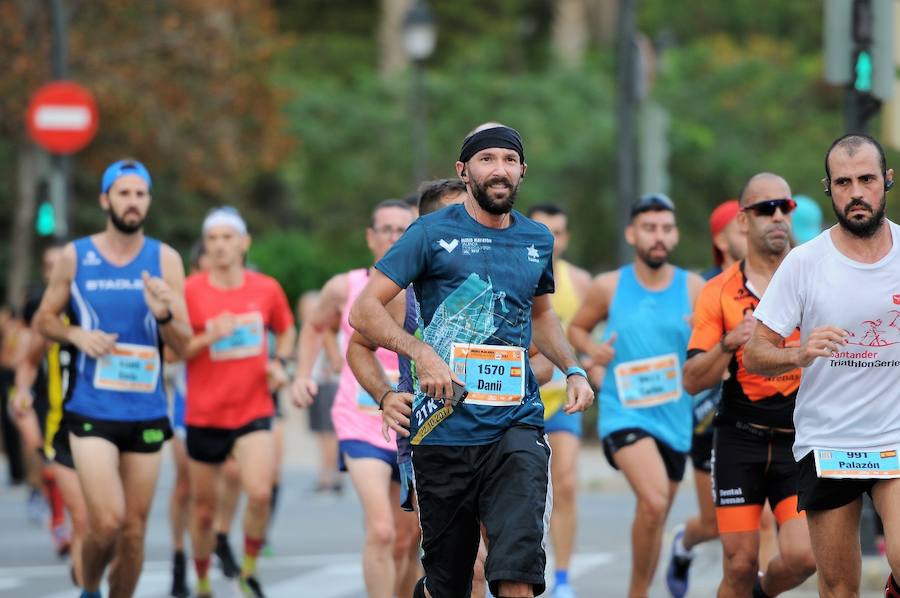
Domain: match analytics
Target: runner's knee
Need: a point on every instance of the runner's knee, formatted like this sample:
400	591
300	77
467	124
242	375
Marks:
564	487
381	533
203	513
107	525
652	508
260	496
741	566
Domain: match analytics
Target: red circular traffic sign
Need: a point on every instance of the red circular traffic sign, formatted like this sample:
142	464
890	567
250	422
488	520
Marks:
62	117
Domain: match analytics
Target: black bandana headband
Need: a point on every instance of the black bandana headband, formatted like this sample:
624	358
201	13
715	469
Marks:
502	137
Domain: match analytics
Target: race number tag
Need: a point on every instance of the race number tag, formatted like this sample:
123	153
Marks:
831	463
365	402
128	368
493	375
246	340
649	382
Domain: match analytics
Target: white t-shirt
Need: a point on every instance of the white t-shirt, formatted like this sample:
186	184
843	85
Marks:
852	399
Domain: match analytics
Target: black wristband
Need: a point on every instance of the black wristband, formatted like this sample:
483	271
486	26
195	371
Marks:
383	397
165	319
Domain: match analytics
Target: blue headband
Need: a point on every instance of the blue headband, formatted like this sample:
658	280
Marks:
122	168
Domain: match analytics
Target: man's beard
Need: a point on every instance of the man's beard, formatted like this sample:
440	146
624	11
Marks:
496	207
861	228
124	227
654	263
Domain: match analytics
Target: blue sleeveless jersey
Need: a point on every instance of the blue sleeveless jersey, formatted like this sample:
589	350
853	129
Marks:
652	332
126	385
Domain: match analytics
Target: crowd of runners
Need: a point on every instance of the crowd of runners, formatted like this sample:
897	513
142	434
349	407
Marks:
448	378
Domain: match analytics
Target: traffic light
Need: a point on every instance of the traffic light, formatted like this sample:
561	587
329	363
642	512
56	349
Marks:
45	224
859	54
862	82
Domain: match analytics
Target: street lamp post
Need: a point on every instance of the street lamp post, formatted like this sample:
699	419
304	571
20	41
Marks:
419	37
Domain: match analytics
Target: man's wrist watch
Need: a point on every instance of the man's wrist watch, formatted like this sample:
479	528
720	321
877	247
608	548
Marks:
576	371
165	319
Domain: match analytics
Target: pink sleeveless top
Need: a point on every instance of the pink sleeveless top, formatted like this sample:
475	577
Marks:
355	413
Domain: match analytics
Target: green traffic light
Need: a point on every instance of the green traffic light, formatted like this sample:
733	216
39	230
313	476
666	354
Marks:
863	81
46	220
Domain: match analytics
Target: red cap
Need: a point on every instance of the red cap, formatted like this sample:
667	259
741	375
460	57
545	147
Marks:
724	213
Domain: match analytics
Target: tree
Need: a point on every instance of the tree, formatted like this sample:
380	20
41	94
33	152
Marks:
181	85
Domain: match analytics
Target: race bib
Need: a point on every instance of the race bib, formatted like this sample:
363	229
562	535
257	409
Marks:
365	402
128	368
494	375
649	382
553	394
831	463
246	341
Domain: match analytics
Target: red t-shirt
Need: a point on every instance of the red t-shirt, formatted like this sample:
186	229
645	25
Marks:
226	382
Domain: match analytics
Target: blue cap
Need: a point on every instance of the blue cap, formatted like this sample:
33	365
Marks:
806	219
121	168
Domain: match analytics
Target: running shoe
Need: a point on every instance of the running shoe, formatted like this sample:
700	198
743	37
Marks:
679	567
36	507
179	577
229	566
563	591
250	587
61	540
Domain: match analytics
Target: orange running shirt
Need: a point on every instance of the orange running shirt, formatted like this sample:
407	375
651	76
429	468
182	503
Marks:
746	397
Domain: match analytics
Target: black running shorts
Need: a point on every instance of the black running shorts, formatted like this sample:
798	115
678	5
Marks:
823	494
701	452
752	465
506	487
674	461
147	436
213	445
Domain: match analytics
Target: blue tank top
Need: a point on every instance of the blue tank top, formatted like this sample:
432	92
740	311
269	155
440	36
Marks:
652	332
125	385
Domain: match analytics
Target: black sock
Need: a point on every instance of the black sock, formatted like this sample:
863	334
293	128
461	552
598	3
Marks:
178	558
757	589
274	500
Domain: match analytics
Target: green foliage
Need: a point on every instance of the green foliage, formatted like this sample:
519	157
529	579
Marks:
357	146
727	124
300	263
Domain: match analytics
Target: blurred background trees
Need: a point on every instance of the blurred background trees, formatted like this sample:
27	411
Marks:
298	113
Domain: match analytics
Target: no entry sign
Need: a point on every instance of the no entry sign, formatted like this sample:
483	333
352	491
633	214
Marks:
62	117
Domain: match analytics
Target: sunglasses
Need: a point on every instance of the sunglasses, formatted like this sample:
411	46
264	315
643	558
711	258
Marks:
768	207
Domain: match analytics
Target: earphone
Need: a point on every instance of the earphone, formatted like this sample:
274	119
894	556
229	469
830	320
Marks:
888	185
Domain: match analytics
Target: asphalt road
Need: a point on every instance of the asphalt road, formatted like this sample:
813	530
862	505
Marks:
316	542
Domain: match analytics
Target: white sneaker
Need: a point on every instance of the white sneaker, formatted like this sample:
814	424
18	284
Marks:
563	591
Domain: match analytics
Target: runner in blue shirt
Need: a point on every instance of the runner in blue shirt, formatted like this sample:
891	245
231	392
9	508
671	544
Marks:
645	415
127	291
481	274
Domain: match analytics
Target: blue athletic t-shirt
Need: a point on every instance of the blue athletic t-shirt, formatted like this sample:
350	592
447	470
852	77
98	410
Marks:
642	388
127	384
475	285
